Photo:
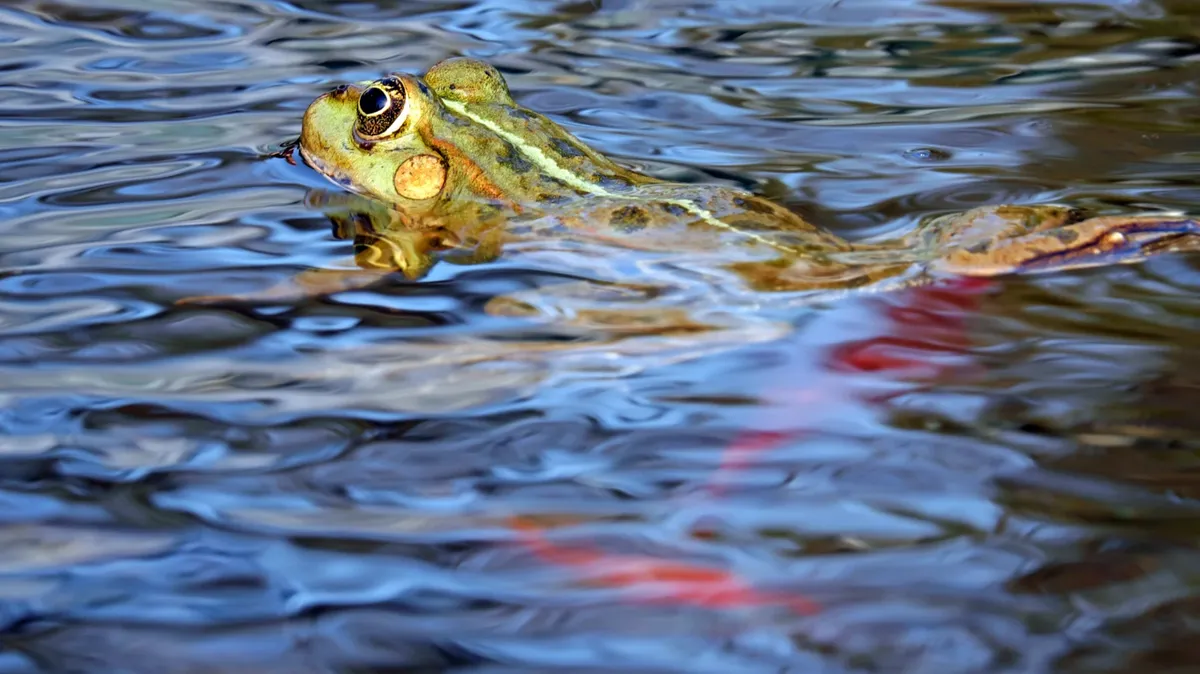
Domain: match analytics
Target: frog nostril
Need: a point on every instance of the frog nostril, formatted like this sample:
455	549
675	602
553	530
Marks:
373	101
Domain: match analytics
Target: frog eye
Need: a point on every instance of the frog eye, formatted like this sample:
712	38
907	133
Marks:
373	101
381	109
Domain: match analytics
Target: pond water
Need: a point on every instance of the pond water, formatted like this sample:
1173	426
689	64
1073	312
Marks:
970	477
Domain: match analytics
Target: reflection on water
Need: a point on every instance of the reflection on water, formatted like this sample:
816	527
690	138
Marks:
982	477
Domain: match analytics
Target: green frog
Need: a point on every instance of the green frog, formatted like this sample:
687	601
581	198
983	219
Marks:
449	167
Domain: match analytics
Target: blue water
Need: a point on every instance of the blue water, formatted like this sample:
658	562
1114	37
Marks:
995	478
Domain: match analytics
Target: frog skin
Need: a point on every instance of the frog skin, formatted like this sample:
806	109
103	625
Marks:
450	167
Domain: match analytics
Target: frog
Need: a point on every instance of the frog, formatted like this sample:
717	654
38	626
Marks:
448	167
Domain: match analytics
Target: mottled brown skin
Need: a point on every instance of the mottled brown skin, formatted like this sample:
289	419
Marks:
451	167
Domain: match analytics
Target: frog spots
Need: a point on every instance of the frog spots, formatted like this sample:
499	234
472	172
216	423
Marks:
794	242
549	199
511	159
490	211
1066	236
518	113
629	219
420	177
552	191
746	225
452	119
754	205
565	149
673	209
612	183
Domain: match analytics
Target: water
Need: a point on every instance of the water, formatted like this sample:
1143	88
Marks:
972	478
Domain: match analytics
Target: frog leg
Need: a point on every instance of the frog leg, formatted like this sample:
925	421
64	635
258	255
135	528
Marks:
985	241
1002	240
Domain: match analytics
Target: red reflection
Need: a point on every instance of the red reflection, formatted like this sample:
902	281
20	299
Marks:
657	581
928	327
925	339
744	449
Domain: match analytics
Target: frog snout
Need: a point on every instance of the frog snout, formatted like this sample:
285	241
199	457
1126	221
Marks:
331	115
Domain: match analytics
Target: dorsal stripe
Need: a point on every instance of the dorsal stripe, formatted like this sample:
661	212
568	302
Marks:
556	170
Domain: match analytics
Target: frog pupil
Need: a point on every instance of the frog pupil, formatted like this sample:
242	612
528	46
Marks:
372	101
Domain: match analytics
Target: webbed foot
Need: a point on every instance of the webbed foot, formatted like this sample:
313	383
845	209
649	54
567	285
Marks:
1094	242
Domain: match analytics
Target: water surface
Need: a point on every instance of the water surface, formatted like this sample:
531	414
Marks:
963	478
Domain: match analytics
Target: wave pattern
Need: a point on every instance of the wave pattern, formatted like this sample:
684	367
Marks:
950	479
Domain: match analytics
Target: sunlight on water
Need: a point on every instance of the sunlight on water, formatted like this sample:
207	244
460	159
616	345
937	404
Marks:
965	477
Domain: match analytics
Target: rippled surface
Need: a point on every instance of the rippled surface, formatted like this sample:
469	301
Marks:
996	478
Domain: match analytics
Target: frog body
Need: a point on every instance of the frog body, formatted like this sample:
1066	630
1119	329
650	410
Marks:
451	167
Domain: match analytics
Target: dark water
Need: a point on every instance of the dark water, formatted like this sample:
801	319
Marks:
998	478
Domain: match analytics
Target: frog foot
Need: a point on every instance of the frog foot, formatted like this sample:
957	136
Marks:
1094	242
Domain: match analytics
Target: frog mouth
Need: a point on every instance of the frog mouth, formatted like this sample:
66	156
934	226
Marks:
313	162
331	174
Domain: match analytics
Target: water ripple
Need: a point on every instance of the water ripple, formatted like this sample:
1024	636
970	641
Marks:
995	480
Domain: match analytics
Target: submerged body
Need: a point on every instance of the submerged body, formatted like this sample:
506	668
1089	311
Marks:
451	167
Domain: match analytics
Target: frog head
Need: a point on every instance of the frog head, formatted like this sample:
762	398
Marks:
450	145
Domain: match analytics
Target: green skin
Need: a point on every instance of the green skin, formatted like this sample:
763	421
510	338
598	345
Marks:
490	172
